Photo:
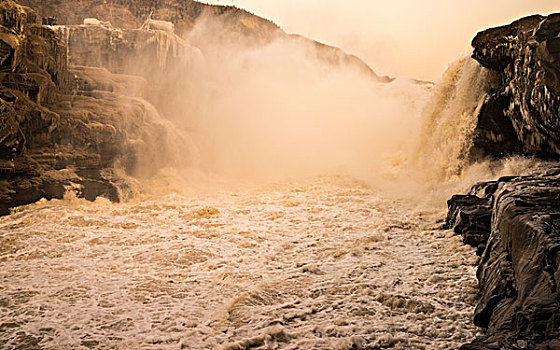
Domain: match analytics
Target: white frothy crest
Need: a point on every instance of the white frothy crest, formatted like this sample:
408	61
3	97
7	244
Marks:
323	263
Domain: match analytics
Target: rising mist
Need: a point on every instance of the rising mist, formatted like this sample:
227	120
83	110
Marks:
275	110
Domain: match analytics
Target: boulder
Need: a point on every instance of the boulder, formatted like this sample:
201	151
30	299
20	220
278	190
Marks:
92	22
469	216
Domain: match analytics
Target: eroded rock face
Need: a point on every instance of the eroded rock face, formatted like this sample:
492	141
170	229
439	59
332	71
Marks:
516	220
229	23
57	131
521	114
122	51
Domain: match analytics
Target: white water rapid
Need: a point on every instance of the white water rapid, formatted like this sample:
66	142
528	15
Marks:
325	263
312	221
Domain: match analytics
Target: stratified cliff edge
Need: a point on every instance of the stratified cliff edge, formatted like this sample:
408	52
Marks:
521	114
56	131
514	221
184	14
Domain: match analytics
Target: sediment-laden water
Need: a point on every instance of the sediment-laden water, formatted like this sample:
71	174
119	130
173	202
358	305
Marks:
322	263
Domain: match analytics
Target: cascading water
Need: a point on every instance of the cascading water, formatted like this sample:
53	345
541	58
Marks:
450	118
296	229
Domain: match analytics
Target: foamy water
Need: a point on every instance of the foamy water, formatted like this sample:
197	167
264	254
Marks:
326	263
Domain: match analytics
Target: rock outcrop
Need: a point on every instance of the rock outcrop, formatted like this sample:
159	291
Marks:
516	220
57	132
520	115
513	222
136	62
122	51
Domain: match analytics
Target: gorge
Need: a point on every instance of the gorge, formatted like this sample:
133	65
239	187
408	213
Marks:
181	175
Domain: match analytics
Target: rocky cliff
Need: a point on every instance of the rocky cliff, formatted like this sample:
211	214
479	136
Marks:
513	222
58	133
520	114
86	99
74	97
230	23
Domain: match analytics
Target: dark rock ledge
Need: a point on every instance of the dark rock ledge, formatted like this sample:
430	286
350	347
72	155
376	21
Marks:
514	222
520	114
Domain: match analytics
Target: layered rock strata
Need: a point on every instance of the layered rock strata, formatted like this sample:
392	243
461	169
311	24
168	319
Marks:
515	223
520	114
58	133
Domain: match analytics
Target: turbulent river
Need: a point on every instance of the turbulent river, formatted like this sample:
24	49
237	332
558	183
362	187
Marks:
322	263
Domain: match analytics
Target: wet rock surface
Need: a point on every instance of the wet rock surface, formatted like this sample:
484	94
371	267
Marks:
516	220
56	135
520	114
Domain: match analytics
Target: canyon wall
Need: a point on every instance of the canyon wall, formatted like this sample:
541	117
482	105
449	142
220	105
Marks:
230	23
520	115
513	222
89	96
65	127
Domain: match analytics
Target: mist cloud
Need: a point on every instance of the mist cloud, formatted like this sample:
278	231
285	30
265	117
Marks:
277	111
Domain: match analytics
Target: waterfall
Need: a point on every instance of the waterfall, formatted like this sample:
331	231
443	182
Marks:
449	119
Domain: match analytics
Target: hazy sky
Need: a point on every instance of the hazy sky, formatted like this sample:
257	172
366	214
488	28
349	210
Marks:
414	38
